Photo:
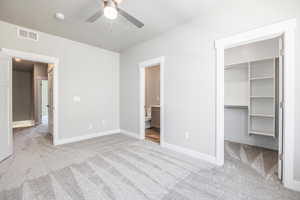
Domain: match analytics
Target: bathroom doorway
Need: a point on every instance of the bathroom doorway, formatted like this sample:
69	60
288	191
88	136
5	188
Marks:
152	103
151	100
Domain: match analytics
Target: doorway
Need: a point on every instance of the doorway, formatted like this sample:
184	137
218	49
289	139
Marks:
7	59
252	112
152	103
287	29
30	99
151	100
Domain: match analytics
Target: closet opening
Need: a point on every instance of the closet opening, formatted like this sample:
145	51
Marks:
253	111
151	100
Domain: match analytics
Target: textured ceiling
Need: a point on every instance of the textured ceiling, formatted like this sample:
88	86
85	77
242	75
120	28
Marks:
158	16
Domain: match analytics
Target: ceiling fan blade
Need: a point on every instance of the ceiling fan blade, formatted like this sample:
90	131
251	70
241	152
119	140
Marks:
130	18
96	16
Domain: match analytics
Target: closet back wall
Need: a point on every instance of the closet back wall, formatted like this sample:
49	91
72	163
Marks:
236	119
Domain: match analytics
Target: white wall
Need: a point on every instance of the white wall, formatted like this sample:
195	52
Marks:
236	91
190	70
152	86
89	72
236	119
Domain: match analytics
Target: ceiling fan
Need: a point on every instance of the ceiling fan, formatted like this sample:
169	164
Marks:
111	11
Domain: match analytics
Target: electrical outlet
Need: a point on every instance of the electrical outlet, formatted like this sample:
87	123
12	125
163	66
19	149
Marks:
187	135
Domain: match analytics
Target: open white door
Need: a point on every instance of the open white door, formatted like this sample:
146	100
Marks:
50	101
39	102
280	109
6	136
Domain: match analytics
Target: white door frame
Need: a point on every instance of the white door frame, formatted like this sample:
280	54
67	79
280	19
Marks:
44	59
8	142
287	29
150	63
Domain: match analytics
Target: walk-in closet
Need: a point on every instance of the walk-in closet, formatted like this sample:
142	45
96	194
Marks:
253	97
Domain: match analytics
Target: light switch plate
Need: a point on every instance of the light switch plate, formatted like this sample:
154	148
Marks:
76	99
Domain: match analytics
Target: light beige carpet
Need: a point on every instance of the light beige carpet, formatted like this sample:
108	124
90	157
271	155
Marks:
263	161
119	167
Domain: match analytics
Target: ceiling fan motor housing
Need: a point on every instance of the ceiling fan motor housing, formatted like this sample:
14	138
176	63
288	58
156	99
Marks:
110	9
110	3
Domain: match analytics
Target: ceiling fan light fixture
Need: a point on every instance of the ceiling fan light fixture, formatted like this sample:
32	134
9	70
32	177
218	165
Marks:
110	10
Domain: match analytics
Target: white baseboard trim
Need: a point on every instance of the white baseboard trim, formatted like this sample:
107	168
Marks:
85	137
176	148
191	153
131	134
23	124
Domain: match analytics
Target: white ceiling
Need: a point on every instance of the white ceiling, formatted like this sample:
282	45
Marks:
158	17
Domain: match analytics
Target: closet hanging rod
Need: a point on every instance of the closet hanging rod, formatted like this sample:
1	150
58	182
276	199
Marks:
262	78
229	66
